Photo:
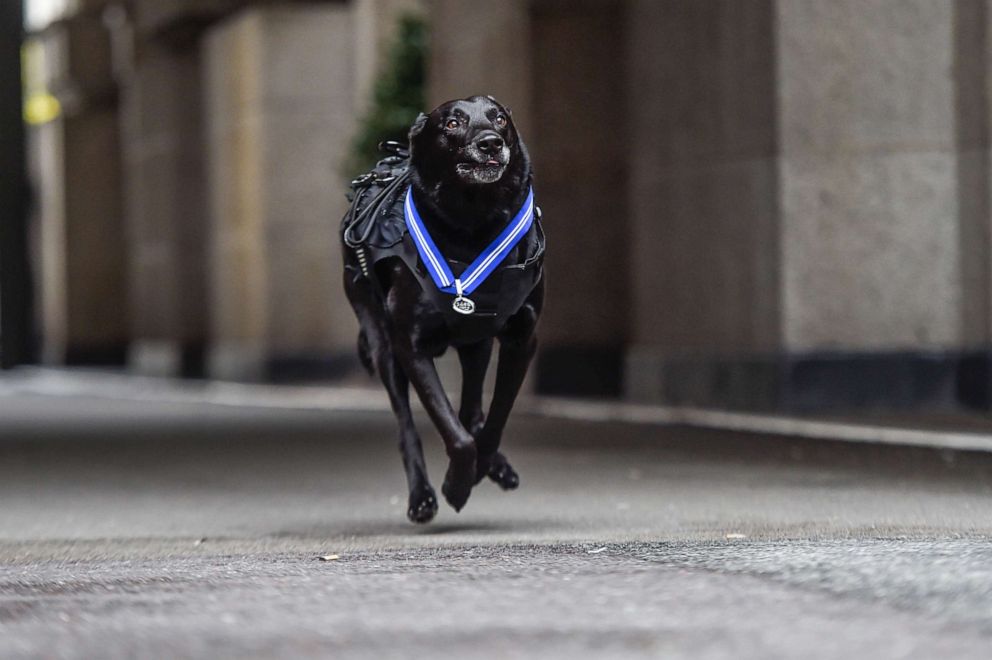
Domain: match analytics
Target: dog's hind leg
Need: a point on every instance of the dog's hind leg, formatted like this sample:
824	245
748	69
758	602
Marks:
422	502
365	353
375	344
458	443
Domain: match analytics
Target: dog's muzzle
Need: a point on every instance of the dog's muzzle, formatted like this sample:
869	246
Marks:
486	159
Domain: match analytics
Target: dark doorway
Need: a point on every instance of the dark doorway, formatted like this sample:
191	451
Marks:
16	334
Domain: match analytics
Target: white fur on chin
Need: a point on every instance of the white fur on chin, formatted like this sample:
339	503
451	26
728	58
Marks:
477	174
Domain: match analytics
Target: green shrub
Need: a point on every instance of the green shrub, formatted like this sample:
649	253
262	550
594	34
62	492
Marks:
398	95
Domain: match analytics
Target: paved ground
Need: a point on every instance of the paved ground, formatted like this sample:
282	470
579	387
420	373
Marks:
183	530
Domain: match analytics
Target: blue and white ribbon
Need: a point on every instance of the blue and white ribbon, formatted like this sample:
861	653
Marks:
484	264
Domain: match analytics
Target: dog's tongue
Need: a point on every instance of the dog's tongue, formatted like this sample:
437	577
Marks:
492	161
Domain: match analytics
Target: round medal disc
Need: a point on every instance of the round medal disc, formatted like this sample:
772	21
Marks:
463	305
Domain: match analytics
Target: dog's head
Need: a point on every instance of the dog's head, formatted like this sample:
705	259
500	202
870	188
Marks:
467	141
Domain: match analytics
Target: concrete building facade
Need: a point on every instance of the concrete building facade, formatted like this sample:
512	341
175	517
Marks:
82	315
771	204
232	120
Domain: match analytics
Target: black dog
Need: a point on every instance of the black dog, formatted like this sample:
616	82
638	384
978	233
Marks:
468	184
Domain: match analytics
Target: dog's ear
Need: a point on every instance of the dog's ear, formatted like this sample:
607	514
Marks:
418	125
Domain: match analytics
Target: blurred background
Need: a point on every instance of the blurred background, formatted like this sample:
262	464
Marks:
776	205
769	218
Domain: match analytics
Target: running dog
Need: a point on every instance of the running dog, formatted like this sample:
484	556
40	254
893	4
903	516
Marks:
443	247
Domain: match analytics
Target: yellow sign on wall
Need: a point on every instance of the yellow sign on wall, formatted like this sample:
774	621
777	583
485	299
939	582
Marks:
40	105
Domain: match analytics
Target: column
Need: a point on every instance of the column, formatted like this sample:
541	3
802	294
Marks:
704	239
280	115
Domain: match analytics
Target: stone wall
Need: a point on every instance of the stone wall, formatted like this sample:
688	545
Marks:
580	144
280	114
570	111
775	203
869	176
482	48
155	17
828	242
166	209
81	250
703	186
802	215
237	119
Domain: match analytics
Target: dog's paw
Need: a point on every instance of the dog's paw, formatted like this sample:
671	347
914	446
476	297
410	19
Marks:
496	467
460	478
503	473
422	506
455	492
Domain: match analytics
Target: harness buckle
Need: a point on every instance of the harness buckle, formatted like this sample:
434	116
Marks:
363	180
395	148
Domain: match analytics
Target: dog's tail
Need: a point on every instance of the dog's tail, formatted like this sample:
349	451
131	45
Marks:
364	353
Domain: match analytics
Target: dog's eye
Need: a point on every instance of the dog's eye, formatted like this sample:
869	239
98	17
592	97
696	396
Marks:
452	124
500	120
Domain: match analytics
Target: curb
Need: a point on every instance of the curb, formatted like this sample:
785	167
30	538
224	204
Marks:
68	383
762	424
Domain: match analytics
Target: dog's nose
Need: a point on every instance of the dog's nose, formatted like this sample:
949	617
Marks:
489	144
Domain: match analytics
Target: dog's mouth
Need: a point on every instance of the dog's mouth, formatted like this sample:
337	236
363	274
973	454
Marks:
468	166
487	171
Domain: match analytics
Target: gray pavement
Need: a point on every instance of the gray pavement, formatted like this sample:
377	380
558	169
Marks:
132	529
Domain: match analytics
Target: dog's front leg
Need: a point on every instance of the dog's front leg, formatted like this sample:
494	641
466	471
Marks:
474	359
459	444
517	345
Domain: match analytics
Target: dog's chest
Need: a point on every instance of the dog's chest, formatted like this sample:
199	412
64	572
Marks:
499	297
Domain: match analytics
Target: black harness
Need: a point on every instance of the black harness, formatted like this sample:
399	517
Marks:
375	229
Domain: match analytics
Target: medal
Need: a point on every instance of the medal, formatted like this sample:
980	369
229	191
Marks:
461	304
478	270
